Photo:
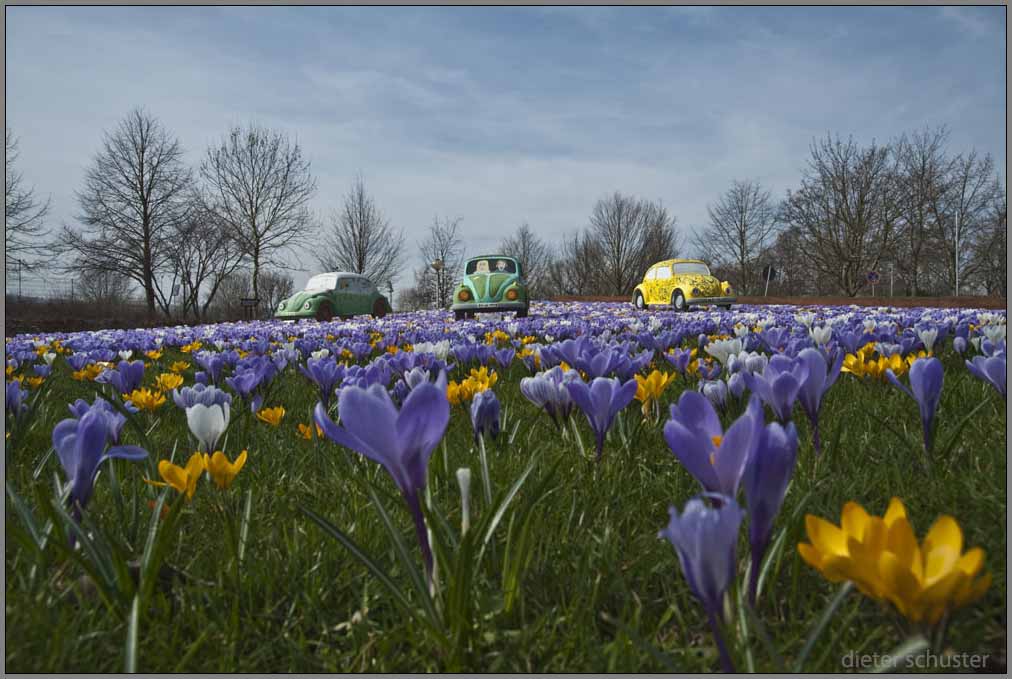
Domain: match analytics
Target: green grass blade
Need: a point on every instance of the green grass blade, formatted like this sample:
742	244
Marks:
133	626
827	615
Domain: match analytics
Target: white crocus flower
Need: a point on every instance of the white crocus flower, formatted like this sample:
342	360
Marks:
806	319
821	335
321	353
49	357
995	333
740	330
928	337
126	354
722	349
869	325
207	424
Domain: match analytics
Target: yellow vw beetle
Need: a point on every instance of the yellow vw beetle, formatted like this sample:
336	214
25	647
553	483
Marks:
681	283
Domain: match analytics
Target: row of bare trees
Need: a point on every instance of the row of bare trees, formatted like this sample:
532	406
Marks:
177	233
934	222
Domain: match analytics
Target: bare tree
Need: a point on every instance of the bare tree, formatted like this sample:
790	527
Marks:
443	245
846	210
576	269
631	234
24	213
204	255
535	257
742	225
921	180
103	288
260	185
989	263
134	197
274	286
960	211
360	239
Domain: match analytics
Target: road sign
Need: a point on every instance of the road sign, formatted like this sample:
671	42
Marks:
873	277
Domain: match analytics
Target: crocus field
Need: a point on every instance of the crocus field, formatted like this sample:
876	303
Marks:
591	488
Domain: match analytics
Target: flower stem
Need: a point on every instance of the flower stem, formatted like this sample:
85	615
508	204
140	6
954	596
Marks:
725	658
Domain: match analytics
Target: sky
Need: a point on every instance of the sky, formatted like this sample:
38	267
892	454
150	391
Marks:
500	116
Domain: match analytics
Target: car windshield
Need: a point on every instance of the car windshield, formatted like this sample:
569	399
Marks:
490	265
692	267
321	282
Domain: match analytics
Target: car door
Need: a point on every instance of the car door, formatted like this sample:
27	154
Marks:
344	300
649	283
664	284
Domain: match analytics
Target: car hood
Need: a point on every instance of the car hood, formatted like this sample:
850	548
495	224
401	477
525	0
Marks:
298	299
708	286
488	287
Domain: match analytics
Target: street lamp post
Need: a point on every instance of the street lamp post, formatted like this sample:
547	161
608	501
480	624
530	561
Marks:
438	267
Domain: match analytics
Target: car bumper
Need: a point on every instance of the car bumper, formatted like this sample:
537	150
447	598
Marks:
483	307
295	315
711	300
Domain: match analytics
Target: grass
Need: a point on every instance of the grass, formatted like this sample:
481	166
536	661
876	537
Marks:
597	590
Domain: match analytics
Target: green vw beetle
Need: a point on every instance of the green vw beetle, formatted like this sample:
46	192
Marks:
491	283
334	294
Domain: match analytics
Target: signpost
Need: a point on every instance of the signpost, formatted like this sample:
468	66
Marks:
873	278
769	273
249	305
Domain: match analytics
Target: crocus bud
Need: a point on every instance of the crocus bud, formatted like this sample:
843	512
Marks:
715	391
703	340
959	344
485	414
736	385
464	481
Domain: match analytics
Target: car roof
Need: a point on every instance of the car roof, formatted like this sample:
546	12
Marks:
678	261
339	274
492	257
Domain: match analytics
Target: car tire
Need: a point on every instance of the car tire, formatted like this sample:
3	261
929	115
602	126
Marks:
470	315
639	302
522	313
325	313
379	309
725	307
678	301
459	315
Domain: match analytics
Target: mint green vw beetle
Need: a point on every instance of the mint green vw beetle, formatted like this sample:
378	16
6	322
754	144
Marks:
337	293
491	283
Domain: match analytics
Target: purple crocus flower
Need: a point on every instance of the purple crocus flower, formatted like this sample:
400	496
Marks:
200	393
706	540
114	420
926	378
714	458
679	359
15	399
402	441
779	384
959	344
767	473
127	376
548	390
715	391
991	370
212	364
504	357
326	373
81	446
815	387
600	402
485	414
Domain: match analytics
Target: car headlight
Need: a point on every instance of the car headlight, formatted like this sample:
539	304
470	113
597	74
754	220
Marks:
281	307
727	288
695	292
307	306
463	295
512	294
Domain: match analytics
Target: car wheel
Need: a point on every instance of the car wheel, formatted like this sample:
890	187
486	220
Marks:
678	300
725	307
470	315
379	309
522	313
459	315
640	303
325	313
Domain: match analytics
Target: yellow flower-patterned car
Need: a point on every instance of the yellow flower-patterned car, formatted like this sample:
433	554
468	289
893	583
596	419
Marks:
682	283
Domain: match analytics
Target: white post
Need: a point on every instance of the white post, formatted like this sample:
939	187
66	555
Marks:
769	272
892	270
955	262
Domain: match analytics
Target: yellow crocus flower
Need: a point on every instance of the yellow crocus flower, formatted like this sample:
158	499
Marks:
145	399
882	558
153	355
179	366
271	416
35	382
183	479
88	372
221	470
168	381
650	388
191	347
306	432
